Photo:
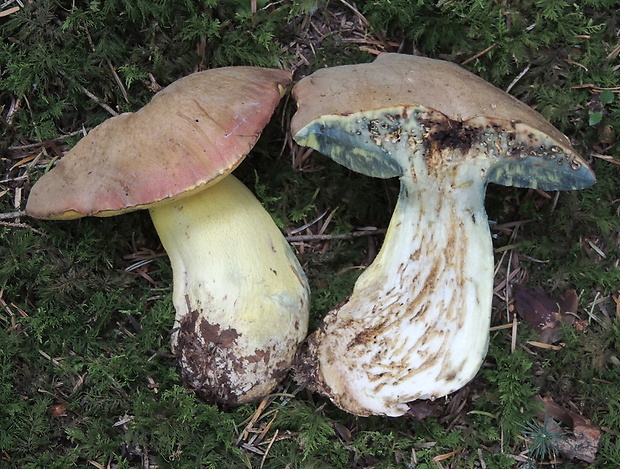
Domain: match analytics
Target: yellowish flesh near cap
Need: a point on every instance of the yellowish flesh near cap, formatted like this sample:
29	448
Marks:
240	295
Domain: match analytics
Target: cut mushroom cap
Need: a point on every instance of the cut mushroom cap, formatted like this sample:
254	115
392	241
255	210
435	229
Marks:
241	297
416	324
457	106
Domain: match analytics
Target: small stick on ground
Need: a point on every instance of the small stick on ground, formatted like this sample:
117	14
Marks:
30	146
257	413
275	435
519	76
479	54
10	215
513	341
89	94
328	237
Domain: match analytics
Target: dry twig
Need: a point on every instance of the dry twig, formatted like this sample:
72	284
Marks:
328	237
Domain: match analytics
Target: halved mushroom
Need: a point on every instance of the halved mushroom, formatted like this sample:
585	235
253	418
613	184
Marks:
416	324
241	297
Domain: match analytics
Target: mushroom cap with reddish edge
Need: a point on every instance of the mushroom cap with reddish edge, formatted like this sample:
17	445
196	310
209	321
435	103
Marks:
192	133
456	108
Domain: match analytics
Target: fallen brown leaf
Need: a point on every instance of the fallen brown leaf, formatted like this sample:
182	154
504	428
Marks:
543	313
421	409
583	443
344	432
58	410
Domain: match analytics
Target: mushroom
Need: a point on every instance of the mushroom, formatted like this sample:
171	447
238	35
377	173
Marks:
416	325
240	295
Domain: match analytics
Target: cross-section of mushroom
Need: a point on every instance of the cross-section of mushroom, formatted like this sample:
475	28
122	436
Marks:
241	297
416	324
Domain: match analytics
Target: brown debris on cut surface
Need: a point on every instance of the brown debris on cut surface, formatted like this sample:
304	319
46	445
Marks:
429	83
315	31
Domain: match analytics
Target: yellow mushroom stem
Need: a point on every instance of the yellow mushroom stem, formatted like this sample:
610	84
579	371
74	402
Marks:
240	295
417	323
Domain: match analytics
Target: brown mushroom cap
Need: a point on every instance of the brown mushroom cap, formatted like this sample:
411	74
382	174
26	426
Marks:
435	84
416	325
193	132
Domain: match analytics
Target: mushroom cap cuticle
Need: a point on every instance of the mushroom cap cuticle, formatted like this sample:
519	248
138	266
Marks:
190	135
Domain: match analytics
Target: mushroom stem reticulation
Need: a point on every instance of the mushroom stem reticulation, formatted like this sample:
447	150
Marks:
417	323
239	293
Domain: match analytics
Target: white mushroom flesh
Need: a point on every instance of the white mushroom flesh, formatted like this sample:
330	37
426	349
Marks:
417	323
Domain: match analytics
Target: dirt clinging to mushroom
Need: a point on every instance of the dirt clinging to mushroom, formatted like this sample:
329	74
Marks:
415	325
210	360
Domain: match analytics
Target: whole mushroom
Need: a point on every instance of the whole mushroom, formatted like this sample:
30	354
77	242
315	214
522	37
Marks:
240	295
416	325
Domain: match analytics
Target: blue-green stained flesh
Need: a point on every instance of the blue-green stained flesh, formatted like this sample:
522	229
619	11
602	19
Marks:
542	168
380	143
350	142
